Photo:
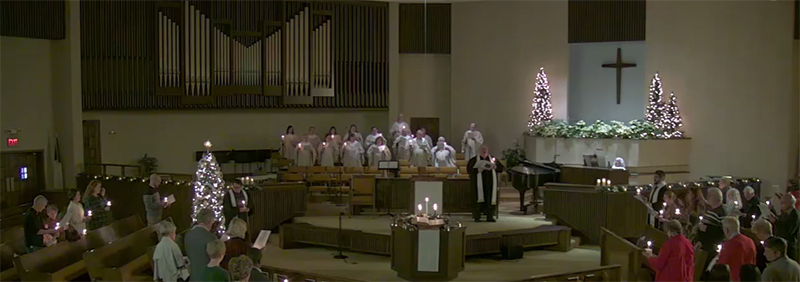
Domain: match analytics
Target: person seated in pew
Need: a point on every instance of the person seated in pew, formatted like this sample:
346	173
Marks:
236	245
240	268
655	201
443	155
763	231
196	240
749	273
75	214
378	152
236	203
787	224
781	268
50	223
675	261
328	151
211	271
738	249
34	225
420	151
153	203
719	272
95	203
169	264
256	275
352	152
709	230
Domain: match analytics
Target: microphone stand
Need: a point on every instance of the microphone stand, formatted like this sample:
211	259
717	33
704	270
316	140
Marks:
340	255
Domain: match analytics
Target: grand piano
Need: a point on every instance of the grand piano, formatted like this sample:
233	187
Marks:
529	175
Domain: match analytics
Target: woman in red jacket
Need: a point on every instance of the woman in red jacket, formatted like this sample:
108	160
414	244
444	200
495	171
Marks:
675	261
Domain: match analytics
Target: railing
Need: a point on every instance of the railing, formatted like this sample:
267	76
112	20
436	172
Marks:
120	168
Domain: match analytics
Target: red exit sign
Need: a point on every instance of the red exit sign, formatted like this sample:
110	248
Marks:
11	142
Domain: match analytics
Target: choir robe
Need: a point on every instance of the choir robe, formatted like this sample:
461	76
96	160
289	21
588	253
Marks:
327	154
371	140
787	227
289	146
737	251
397	129
352	154
472	140
484	183
314	140
359	137
377	153
402	147
306	155
420	152
444	156
675	262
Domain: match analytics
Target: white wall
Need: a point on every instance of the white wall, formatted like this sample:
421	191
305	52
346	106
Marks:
593	88
729	63
497	49
425	89
174	136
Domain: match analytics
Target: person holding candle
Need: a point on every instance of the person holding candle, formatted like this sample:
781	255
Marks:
402	145
738	249
354	132
656	199
443	155
288	143
373	135
787	224
34	225
328	151
94	201
153	203
733	201
352	153
74	216
472	140
762	228
751	208
50	223
236	203
398	127
672	207
312	137
378	151
675	261
336	138
483	170
306	154
420	151
709	229
237	245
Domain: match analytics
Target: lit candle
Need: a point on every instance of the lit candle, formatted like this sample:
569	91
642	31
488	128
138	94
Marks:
108	203
735	203
753	216
282	137
243	205
677	211
426	205
767	203
719	248
84	231
58	225
165	199
324	144
207	144
89	213
649	244
661	212
608	182
762	242
419	207
435	207
638	191
701	218
603	181
299	146
598	182
493	159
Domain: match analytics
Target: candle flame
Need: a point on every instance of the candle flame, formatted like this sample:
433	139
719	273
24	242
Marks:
419	207
435	207
426	199
649	243
108	203
207	144
84	231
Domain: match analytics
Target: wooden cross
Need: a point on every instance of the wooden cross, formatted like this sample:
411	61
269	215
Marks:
619	65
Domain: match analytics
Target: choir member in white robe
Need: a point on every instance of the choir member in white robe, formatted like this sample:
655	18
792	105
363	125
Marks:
398	127
378	152
371	137
312	137
354	131
483	171
337	139
443	155
420	151
427	137
306	154
402	146
473	139
352	153
288	143
328	152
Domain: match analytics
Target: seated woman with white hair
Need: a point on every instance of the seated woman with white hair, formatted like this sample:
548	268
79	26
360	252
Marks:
237	245
169	263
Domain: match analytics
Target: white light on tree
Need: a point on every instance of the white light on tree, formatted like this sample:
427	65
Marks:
208	188
541	108
672	121
654	112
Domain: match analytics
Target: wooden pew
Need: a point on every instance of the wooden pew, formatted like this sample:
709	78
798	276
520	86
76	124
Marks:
13	216
124	259
603	273
64	260
7	270
617	250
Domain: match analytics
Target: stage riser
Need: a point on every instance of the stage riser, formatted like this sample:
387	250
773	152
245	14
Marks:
295	235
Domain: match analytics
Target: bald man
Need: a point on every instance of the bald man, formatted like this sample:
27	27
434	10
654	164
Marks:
473	139
483	170
398	127
153	204
787	224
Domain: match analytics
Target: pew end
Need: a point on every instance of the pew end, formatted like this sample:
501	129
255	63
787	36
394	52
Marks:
135	270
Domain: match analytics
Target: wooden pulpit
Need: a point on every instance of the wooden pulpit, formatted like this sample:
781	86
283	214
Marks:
428	253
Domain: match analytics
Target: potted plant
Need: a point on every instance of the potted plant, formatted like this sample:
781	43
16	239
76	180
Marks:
148	165
513	155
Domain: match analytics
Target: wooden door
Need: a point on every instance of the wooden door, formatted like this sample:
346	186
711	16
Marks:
91	146
430	124
22	175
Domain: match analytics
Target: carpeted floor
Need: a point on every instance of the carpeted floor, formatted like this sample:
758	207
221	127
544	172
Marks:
380	224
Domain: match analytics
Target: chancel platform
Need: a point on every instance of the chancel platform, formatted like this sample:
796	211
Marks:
372	234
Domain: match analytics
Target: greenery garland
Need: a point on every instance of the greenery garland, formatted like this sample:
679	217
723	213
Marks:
636	129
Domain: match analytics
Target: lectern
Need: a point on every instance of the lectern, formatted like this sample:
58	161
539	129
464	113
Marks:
428	253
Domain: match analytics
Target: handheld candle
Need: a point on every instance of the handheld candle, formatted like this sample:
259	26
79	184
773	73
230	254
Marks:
753	216
84	231
677	211
89	213
283	137
719	248
58	225
108	203
735	203
649	244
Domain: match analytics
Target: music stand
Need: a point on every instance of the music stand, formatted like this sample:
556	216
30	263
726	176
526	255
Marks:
388	167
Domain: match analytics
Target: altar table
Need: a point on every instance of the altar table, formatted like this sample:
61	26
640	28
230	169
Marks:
396	194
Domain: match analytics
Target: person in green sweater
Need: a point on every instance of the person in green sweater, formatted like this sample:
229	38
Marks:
213	272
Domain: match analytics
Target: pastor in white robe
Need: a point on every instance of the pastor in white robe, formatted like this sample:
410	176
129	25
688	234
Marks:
377	153
420	152
402	147
327	154
306	154
472	140
444	156
352	154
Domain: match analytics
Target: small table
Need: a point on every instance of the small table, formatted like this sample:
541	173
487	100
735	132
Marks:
429	253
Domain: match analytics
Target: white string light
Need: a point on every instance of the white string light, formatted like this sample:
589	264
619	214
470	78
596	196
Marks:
541	108
208	188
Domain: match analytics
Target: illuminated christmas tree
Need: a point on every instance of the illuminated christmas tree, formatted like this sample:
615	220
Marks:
654	113
208	188
672	121
541	109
